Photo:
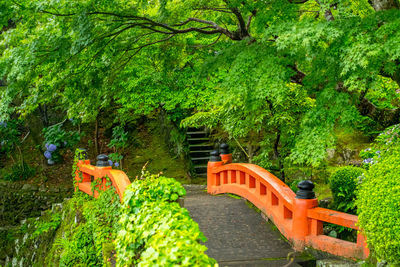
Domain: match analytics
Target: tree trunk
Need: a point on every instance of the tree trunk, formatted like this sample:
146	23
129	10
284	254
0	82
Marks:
278	155
44	115
379	5
250	152
328	15
96	137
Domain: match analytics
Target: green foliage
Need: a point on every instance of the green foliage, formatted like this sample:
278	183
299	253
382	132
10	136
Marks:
44	226
119	138
382	143
281	73
118	142
255	100
159	226
343	184
78	250
151	188
6	13
293	185
102	219
83	243
59	137
55	135
378	206
389	137
9	135
155	231
80	154
163	234
19	172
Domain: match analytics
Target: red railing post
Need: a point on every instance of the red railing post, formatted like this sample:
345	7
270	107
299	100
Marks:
102	174
226	157
304	200
102	166
362	243
215	161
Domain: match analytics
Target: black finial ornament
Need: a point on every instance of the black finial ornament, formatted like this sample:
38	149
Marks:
224	149
214	156
82	154
102	161
305	190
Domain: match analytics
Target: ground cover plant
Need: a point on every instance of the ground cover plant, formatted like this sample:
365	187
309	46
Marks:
86	234
155	230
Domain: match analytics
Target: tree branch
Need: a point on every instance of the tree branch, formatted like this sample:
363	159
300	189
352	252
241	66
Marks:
298	77
217	9
328	13
298	2
211	23
253	14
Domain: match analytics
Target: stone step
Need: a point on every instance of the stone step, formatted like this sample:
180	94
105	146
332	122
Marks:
204	145
200	166
200	151
193	129
196	133
199	139
201	158
194	141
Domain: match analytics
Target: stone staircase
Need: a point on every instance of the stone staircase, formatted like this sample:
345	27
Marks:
200	148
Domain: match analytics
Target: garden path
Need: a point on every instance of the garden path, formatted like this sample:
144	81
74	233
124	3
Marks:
237	234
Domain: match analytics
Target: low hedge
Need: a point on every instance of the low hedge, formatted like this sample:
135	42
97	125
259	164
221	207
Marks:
343	184
155	230
379	206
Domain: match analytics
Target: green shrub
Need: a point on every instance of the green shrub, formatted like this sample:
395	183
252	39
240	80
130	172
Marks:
343	184
155	230
153	188
56	139
379	206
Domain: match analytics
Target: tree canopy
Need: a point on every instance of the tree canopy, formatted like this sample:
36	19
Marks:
284	74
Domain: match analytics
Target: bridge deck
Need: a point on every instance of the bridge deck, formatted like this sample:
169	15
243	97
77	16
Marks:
237	235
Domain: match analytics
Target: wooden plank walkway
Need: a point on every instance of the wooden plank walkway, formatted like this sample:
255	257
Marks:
237	235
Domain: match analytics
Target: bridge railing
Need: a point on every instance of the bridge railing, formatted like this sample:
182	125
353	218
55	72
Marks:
93	179
297	216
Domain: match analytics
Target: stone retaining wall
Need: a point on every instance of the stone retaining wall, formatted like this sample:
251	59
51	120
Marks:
21	201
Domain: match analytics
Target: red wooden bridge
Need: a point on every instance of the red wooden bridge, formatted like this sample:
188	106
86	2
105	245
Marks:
297	216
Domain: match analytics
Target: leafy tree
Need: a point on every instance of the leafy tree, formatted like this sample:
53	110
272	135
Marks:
286	72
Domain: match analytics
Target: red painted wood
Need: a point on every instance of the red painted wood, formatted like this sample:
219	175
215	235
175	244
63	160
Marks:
299	220
118	178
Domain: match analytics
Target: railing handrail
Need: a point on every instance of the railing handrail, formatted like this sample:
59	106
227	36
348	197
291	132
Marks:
297	216
263	176
86	173
334	217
